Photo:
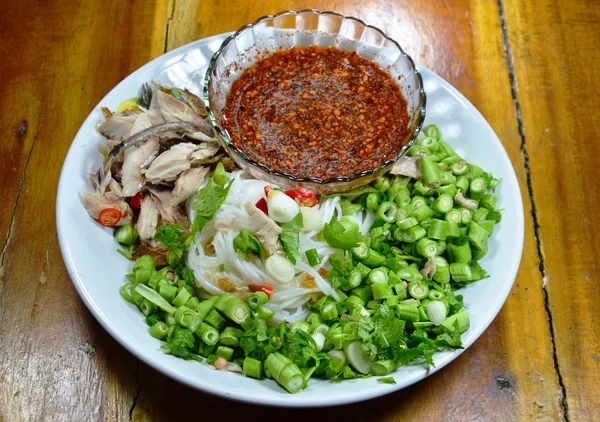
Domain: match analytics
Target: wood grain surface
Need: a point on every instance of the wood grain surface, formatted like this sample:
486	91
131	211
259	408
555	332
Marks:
528	66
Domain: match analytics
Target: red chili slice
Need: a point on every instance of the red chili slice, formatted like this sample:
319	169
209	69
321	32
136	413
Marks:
268	189
262	205
109	217
136	201
304	196
268	290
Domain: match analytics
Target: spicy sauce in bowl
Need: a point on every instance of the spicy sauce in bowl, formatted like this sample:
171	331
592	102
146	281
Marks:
314	99
317	112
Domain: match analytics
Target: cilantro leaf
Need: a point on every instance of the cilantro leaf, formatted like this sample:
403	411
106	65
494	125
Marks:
171	236
387	380
341	236
246	243
181	343
290	240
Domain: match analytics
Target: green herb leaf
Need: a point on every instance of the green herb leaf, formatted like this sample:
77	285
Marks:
296	223
246	243
210	198
290	240
387	380
181	343
127	252
172	237
341	236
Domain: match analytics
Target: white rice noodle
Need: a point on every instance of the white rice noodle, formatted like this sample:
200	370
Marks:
213	247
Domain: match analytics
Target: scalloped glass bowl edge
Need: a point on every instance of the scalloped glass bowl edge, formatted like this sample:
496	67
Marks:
302	29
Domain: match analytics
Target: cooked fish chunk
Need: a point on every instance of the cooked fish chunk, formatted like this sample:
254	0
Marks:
141	123
95	202
187	184
201	136
429	268
148	219
174	110
465	202
170	164
264	228
407	166
117	125
205	153
134	159
196	103
170	214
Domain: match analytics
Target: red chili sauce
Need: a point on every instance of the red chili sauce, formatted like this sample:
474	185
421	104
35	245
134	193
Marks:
317	112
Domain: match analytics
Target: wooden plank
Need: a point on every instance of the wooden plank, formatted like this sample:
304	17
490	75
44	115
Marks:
56	363
556	69
509	373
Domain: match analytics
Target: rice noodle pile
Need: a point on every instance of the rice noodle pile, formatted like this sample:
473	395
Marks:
205	258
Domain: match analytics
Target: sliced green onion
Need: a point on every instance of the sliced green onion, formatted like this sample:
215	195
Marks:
126	234
313	257
442	271
187	318
443	204
233	308
418	289
215	320
147	307
489	201
466	215
477	188
373	259
462	183
387	211
329	311
407	223
461	272
209	335
372	202
182	297
438	229
154	297
413	234
265	313
418	201
352	280
422	213
431	174
252	368
256	300
407	312
426	247
459	251
285	372
477	235
159	330
230	337
381	291
461	319
224	352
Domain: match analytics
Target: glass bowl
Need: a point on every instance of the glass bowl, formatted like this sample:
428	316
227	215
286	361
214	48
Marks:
303	29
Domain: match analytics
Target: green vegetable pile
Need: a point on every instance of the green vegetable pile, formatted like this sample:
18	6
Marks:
396	301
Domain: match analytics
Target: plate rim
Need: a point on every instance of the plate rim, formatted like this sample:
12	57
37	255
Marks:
281	400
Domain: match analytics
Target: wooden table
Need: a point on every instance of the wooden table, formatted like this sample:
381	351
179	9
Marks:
531	68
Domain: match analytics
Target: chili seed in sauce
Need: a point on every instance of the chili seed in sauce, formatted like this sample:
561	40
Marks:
317	112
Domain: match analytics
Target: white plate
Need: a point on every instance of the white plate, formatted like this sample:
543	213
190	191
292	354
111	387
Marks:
97	270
